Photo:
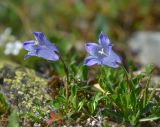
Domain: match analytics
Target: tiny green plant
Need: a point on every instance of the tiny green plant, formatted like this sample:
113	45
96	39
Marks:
3	104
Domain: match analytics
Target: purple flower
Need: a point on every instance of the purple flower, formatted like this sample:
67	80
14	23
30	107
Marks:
102	53
41	47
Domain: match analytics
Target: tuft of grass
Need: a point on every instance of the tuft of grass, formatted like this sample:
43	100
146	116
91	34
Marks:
127	98
130	100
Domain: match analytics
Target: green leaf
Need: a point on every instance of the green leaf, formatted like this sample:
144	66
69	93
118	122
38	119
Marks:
13	120
81	104
84	72
149	119
153	91
74	90
149	69
3	104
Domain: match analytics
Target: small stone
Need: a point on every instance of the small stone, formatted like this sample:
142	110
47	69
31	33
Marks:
147	47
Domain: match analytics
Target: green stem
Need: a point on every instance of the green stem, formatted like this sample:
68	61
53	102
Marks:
127	77
67	75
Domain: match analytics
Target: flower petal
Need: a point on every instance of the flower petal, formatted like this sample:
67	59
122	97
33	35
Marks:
51	46
103	40
40	37
91	60
113	60
29	45
29	54
42	40
47	54
92	48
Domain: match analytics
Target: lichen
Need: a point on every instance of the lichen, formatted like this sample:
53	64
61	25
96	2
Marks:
25	90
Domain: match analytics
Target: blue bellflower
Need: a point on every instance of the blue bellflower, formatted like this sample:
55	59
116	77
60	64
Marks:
102	53
41	47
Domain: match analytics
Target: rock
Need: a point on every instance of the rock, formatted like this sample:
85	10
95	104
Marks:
147	46
24	90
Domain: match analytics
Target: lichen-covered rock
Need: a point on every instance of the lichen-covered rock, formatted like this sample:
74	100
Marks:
24	90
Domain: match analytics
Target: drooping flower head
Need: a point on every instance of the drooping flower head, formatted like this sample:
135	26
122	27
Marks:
41	47
102	53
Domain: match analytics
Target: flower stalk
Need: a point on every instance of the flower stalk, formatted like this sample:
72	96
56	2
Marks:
127	76
67	74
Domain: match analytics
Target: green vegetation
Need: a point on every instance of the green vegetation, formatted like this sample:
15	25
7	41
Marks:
38	92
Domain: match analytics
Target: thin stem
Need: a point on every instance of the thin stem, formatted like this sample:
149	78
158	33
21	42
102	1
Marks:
67	74
127	77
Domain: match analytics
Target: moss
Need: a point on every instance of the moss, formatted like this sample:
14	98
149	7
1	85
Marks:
25	90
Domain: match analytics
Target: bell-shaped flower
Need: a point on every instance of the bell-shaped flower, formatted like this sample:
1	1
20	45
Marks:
41	47
102	53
